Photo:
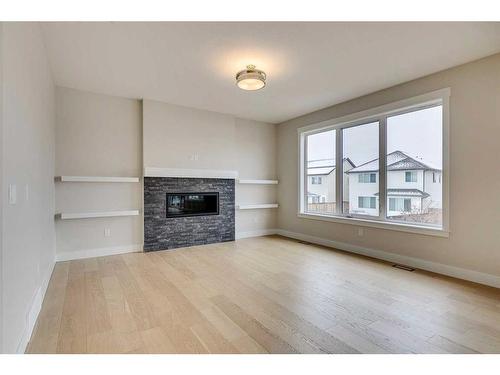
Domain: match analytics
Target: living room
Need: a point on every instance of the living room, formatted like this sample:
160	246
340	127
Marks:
250	187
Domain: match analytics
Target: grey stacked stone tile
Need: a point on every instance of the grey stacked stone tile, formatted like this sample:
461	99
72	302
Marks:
162	233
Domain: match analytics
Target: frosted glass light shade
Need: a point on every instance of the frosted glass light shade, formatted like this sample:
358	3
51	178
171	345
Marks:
251	79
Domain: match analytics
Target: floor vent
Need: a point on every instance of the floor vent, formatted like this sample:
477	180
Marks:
401	267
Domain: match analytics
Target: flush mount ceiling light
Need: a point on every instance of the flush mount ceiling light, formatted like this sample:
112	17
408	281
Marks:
251	79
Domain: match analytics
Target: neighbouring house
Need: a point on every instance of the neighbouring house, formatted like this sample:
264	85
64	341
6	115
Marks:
321	183
413	186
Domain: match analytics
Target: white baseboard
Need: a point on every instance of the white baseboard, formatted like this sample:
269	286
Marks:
460	273
255	233
34	311
99	252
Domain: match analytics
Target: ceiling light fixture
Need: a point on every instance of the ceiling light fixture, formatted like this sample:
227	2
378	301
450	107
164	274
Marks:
251	79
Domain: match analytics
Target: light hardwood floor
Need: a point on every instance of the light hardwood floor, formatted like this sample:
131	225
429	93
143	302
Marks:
261	295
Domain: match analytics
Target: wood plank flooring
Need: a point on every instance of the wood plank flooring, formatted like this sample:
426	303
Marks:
261	295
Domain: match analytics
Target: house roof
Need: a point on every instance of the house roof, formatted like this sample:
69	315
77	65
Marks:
309	194
396	160
406	193
320	171
323	167
321	163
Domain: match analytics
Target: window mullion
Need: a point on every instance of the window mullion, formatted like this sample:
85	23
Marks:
339	166
382	168
305	176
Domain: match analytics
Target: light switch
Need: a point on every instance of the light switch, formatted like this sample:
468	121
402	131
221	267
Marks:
12	194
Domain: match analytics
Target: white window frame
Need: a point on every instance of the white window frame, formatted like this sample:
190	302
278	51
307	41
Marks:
362	198
396	199
412	174
380	114
369	174
318	179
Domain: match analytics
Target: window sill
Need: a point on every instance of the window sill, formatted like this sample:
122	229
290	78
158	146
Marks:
417	229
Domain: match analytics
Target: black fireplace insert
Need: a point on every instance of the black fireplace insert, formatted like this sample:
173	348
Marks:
192	204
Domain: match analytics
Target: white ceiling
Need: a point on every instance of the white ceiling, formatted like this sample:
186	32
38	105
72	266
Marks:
309	65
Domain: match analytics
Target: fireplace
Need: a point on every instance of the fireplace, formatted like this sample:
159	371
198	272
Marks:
183	211
192	204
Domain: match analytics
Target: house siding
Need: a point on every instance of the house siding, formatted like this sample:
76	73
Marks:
435	189
357	189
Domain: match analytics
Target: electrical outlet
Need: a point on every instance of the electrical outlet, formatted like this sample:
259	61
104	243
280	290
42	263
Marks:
12	194
107	232
361	232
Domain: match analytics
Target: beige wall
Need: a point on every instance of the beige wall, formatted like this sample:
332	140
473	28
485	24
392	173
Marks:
28	162
175	135
474	172
100	135
97	135
181	137
255	159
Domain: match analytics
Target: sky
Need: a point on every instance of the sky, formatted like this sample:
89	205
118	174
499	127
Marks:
417	133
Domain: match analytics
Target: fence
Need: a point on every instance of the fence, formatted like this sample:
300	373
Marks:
326	207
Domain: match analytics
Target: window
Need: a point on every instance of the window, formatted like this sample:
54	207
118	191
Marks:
392	204
411	176
360	144
388	170
316	180
400	204
416	136
366	178
320	160
366	202
407	205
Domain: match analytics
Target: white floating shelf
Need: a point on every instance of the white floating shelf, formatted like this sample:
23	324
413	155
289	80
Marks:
96	179
259	182
89	215
257	206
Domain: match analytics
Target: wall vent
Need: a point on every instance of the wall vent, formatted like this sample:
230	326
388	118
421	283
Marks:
402	267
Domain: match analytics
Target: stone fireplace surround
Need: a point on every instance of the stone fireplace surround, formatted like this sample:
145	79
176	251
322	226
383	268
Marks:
162	233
